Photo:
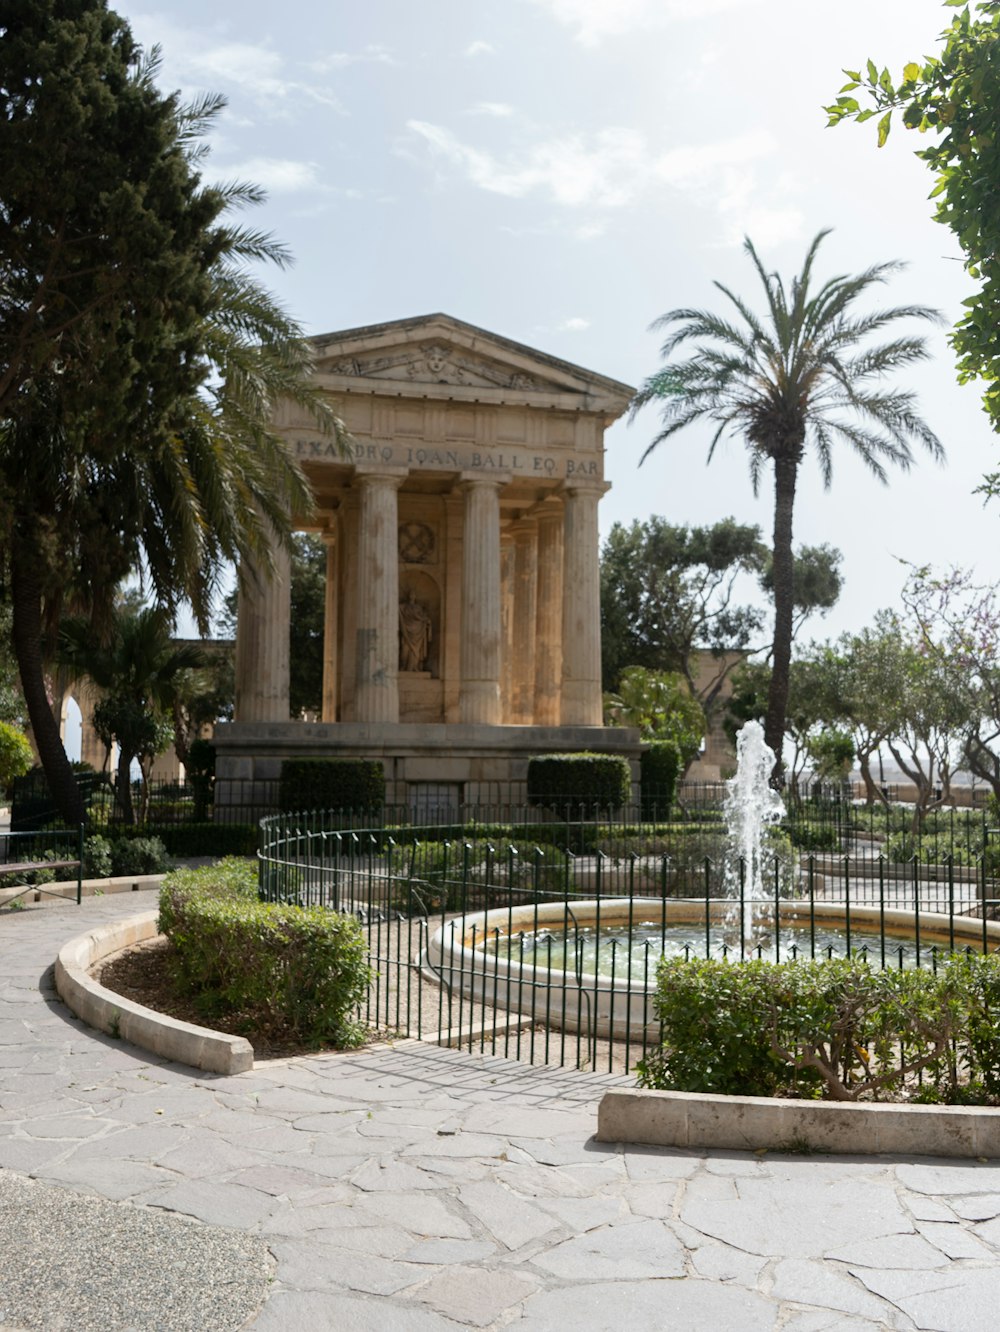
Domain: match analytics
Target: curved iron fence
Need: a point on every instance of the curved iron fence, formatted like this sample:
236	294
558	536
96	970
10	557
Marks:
521	940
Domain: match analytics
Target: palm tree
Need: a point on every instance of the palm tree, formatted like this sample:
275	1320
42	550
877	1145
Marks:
805	375
139	667
193	477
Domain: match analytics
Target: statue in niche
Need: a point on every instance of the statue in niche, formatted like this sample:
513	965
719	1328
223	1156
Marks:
415	634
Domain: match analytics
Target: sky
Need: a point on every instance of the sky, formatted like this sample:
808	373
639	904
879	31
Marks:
561	172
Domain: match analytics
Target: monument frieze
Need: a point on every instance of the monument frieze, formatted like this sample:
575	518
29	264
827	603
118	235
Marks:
461	458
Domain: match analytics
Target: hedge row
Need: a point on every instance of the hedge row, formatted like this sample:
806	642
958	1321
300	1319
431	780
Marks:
838	1029
355	785
284	970
575	785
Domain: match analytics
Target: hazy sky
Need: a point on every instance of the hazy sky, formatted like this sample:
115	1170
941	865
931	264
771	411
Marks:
563	171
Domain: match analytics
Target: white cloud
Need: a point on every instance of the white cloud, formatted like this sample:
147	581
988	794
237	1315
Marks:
371	55
276	175
594	20
499	109
573	325
610	169
478	48
590	230
255	69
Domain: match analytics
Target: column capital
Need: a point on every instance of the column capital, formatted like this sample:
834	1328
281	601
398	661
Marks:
389	476
585	486
476	480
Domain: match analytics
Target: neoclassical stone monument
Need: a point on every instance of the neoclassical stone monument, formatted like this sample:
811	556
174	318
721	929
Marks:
462	630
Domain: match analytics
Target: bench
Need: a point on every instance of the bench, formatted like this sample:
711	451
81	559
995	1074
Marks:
28	867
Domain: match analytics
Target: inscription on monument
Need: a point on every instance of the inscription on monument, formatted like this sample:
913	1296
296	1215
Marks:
461	459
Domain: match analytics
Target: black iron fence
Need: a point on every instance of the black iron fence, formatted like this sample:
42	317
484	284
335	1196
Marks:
542	940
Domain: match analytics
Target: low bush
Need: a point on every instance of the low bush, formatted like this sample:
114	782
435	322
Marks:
348	785
280	968
811	835
200	839
574	785
481	873
138	855
838	1029
96	857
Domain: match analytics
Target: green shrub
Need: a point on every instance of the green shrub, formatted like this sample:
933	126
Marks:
139	855
281	968
480	873
839	1028
349	785
716	1038
574	785
810	835
96	857
659	765
208	839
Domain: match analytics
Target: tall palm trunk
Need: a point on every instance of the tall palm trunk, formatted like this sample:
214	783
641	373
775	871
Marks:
26	635
785	476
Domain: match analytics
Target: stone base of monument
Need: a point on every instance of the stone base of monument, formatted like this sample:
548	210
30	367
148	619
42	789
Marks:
428	767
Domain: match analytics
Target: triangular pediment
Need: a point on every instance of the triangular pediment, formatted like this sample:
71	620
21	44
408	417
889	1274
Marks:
435	353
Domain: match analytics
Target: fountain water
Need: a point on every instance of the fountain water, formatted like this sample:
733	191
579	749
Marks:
751	806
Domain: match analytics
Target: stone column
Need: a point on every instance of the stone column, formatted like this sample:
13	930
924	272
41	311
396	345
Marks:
506	626
479	701
548	619
522	662
581	670
263	611
376	697
330	676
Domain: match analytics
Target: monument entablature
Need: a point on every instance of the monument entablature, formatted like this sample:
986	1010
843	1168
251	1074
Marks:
461	532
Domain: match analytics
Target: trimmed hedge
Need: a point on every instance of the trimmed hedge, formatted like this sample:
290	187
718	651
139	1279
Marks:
839	1029
349	785
576	784
196	839
659	765
282	969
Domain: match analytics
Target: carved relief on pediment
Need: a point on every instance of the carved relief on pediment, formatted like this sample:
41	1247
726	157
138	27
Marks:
437	363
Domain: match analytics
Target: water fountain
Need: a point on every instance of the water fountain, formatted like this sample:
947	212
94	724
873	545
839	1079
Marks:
751	806
592	963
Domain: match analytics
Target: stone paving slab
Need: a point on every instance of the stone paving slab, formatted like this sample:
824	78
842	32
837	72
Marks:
421	1189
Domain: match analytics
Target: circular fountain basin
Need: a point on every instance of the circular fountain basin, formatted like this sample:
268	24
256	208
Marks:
504	958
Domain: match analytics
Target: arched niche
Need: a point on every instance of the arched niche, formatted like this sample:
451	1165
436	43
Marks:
424	590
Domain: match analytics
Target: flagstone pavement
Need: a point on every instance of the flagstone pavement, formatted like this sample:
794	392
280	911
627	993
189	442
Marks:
413	1188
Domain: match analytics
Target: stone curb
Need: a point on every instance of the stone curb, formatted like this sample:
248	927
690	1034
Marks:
117	1016
65	890
759	1123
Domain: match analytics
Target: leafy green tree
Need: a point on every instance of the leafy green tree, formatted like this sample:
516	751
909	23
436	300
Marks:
308	598
958	623
832	753
16	757
668	589
816	581
139	357
813	705
953	100
804	375
659	703
140	668
308	614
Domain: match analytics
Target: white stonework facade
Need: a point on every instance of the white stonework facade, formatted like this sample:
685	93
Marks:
462	602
